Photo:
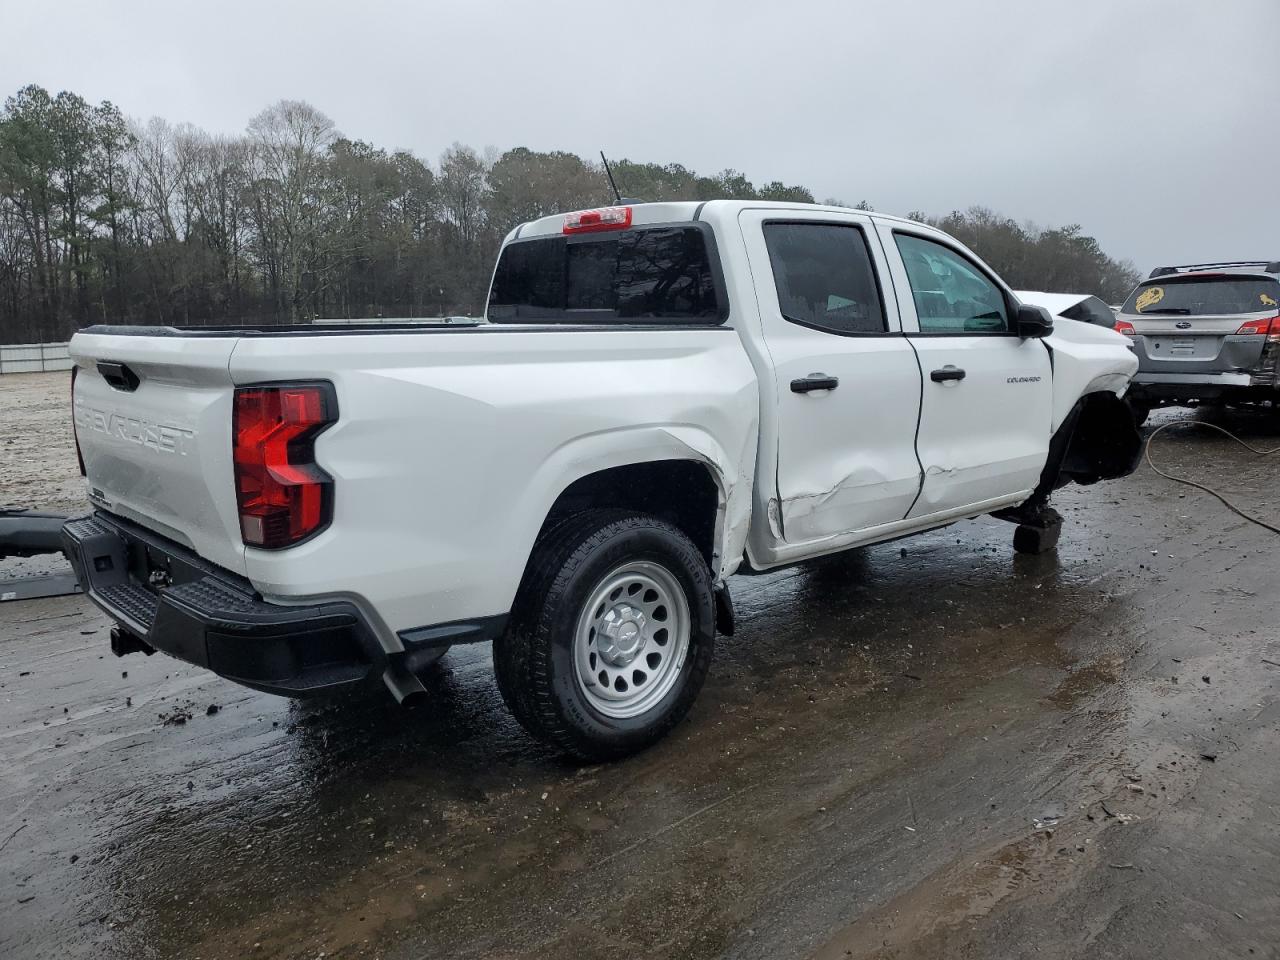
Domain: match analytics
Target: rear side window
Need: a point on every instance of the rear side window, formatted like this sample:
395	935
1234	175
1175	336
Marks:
824	277
1204	296
653	274
1091	310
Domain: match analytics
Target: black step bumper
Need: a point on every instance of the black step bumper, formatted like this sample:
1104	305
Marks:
173	601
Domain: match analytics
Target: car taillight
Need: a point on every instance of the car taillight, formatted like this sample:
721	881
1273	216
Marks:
1125	327
594	221
74	435
283	496
1261	327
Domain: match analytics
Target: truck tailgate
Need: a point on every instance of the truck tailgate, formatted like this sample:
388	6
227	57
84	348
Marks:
153	420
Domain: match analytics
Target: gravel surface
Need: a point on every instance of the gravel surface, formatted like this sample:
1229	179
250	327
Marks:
38	468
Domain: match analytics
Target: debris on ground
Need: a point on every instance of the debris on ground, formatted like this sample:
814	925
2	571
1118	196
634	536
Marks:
1050	816
175	717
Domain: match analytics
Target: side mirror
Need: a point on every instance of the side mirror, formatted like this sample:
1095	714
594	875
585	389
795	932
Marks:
1033	322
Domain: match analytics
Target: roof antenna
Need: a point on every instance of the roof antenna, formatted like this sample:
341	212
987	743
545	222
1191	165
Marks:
609	174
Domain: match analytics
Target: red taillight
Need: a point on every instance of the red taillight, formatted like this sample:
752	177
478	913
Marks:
593	221
74	435
283	496
1261	327
1125	327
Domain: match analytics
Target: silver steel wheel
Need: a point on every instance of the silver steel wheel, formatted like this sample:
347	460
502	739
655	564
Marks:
631	639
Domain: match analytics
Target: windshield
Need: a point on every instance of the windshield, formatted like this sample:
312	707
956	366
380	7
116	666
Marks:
648	274
1204	296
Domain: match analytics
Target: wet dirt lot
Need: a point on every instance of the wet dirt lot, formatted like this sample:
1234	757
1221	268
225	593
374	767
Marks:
932	748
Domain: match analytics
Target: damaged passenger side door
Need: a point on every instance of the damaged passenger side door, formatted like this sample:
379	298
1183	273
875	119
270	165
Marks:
847	384
987	406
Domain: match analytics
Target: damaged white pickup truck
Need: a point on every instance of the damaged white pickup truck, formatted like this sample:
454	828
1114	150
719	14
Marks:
665	394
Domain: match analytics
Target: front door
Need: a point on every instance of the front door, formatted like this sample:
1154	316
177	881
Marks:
847	385
986	414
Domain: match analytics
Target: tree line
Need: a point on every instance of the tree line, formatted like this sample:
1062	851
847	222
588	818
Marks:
104	219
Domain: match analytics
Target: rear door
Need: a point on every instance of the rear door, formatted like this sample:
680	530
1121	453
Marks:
152	416
1201	323
987	408
847	385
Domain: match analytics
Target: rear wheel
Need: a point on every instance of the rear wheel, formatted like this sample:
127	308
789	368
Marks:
611	636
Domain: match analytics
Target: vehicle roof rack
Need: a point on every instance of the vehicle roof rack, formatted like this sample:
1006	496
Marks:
1269	266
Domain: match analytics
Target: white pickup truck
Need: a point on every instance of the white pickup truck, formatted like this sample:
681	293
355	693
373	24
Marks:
665	394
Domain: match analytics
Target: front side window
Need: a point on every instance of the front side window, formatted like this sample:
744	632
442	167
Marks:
951	294
824	277
649	274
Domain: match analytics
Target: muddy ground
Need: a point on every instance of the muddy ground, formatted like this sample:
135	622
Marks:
928	749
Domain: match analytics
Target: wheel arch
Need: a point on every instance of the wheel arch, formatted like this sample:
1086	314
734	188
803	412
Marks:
687	493
1097	440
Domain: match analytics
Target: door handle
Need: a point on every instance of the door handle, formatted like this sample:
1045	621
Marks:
814	381
946	373
118	375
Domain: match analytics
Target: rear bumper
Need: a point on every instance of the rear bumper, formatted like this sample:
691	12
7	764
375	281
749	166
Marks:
1243	367
1201	386
1212	355
177	603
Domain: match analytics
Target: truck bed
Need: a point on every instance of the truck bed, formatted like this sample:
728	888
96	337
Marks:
446	453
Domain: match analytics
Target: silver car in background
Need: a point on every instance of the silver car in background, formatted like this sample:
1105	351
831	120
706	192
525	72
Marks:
1205	332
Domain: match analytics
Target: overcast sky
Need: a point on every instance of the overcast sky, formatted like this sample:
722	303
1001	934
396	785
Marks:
1153	123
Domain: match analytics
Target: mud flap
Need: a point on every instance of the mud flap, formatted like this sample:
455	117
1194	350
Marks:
725	622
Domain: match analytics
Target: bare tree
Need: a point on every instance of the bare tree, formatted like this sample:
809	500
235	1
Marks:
289	144
163	223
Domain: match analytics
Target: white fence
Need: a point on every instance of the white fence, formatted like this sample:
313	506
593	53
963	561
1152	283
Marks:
34	357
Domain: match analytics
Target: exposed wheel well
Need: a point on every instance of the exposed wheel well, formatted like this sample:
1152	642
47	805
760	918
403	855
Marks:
682	492
1099	440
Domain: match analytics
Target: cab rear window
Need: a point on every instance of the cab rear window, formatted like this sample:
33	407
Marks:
1204	296
643	275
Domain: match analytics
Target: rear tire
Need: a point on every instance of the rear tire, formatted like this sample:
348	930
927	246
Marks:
611	635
